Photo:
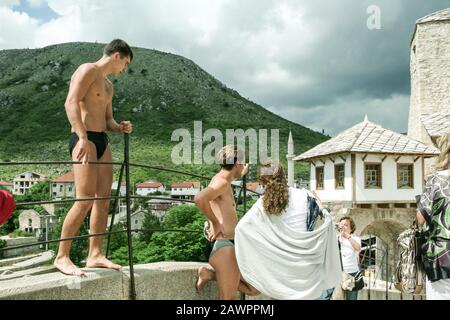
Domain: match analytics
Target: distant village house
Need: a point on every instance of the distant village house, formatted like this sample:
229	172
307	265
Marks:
32	221
63	186
149	187
185	190
25	181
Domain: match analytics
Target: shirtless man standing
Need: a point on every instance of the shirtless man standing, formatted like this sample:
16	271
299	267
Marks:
216	202
89	110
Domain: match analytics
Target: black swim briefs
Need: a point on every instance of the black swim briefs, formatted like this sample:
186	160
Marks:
99	139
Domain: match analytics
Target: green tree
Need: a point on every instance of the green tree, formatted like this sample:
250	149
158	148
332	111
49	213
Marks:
118	240
182	246
182	215
11	224
169	246
150	222
120	256
38	192
2	245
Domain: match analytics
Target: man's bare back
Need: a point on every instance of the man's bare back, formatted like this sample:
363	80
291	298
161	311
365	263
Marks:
224	208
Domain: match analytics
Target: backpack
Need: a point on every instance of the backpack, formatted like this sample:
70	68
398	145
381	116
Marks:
409	275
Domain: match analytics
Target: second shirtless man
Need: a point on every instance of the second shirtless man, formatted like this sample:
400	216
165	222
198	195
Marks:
89	110
217	203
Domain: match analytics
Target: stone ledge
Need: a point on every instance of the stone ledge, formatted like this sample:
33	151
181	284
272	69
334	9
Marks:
154	281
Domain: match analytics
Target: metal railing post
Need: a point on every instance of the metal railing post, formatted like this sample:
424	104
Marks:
370	260
244	189
387	272
116	201
244	186
128	202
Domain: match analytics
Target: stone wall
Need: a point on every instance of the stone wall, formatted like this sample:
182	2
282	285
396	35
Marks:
155	281
10	242
430	74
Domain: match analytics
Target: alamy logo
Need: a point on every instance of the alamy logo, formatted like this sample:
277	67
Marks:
374	20
73	283
202	147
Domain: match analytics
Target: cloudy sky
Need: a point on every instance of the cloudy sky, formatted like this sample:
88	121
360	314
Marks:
313	62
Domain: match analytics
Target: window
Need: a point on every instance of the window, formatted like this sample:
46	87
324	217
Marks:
339	176
30	222
319	178
372	175
405	178
60	188
70	189
135	222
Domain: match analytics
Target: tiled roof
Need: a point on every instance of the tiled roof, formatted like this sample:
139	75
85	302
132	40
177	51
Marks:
68	177
436	124
194	184
149	184
368	137
5	183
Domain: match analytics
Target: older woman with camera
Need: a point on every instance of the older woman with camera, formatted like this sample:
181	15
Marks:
350	246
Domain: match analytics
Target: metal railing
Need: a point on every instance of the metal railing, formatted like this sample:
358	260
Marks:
383	264
124	170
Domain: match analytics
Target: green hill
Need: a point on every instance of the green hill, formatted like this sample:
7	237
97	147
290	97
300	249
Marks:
160	93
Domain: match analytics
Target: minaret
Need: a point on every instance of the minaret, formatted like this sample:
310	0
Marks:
290	158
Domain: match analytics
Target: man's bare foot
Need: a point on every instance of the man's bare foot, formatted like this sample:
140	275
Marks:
101	262
204	276
66	266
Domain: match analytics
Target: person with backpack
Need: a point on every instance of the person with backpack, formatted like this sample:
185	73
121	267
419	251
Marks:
434	213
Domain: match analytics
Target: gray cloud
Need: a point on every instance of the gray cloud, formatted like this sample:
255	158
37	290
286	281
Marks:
316	63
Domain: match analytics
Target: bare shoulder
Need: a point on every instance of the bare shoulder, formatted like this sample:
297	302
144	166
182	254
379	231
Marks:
86	70
218	183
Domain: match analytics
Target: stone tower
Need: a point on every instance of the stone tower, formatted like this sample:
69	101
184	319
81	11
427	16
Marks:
430	76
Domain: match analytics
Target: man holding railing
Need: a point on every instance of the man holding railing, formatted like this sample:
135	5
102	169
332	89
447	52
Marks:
89	111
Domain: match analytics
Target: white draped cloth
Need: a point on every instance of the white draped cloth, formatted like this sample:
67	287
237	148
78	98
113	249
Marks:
284	263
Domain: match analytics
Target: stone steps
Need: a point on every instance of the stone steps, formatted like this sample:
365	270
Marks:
41	259
11	261
9	275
